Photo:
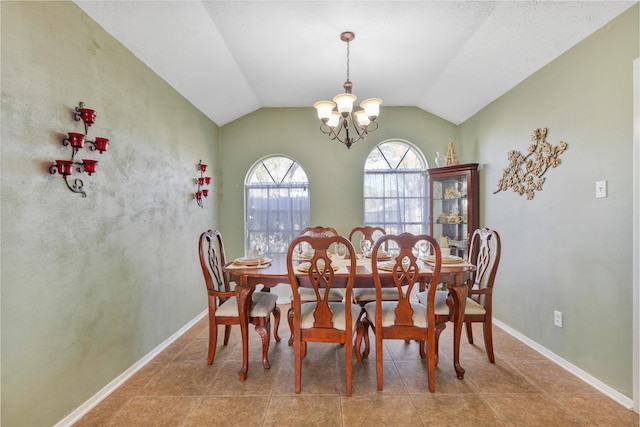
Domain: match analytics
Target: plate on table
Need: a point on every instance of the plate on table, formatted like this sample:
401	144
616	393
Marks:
251	262
304	267
449	259
388	265
381	255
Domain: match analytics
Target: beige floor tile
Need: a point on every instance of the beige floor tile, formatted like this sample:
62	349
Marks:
228	411
365	381
167	411
597	410
414	374
499	377
135	385
318	375
529	409
379	410
182	379
460	410
103	412
259	381
303	411
551	378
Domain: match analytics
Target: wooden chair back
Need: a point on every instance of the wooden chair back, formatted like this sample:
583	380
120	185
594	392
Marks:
367	232
319	230
485	255
212	259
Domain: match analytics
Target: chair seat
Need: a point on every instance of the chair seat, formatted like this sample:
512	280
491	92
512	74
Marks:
389	313
263	305
441	307
369	294
339	315
308	294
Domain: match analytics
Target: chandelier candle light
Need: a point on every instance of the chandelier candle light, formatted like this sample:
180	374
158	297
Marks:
361	122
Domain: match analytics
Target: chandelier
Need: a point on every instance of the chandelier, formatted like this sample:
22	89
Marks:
356	125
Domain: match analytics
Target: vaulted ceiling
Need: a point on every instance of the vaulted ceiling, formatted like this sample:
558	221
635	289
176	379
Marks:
450	58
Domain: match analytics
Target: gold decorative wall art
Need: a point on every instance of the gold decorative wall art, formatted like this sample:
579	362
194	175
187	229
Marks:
525	173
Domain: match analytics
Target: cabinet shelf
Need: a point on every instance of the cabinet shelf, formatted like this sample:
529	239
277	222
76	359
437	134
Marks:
453	193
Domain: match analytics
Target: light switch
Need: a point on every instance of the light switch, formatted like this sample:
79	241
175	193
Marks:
601	189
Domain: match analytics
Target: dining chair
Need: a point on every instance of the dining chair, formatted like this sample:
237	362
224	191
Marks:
363	296
322	320
223	306
403	319
335	295
484	254
319	230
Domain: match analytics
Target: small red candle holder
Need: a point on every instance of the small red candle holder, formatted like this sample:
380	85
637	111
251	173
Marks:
64	167
207	179
199	195
200	181
205	192
87	115
76	140
203	167
89	165
101	144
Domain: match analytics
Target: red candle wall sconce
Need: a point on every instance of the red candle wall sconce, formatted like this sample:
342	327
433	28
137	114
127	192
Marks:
77	141
201	181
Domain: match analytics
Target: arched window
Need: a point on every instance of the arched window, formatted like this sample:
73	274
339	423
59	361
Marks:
277	204
395	188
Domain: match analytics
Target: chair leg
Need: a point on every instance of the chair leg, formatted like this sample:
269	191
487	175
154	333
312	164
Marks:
213	338
359	333
469	329
488	339
263	330
297	349
290	319
348	356
276	323
431	365
366	323
439	328
379	360
227	334
423	353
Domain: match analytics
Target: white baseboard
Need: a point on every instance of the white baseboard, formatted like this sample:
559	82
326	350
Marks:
83	409
584	376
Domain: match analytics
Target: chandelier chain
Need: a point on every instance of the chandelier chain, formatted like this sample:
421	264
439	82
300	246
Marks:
348	51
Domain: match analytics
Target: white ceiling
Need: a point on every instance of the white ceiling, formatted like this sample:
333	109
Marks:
450	58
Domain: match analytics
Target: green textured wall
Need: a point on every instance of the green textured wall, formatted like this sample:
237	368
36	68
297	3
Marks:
566	250
335	173
91	285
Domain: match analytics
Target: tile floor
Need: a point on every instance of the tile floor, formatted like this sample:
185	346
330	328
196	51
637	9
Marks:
522	388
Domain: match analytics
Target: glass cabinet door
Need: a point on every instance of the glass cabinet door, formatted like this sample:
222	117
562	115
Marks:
453	206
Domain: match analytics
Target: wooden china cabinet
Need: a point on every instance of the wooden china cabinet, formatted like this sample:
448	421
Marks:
454	205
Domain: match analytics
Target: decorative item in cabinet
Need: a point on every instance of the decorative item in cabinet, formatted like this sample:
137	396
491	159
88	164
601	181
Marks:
454	206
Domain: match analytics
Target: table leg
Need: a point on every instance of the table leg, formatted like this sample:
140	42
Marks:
243	294
458	296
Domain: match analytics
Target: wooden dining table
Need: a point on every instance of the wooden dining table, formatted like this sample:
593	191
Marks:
275	272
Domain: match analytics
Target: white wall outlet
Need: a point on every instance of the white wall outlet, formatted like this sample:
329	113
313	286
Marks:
557	318
601	189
